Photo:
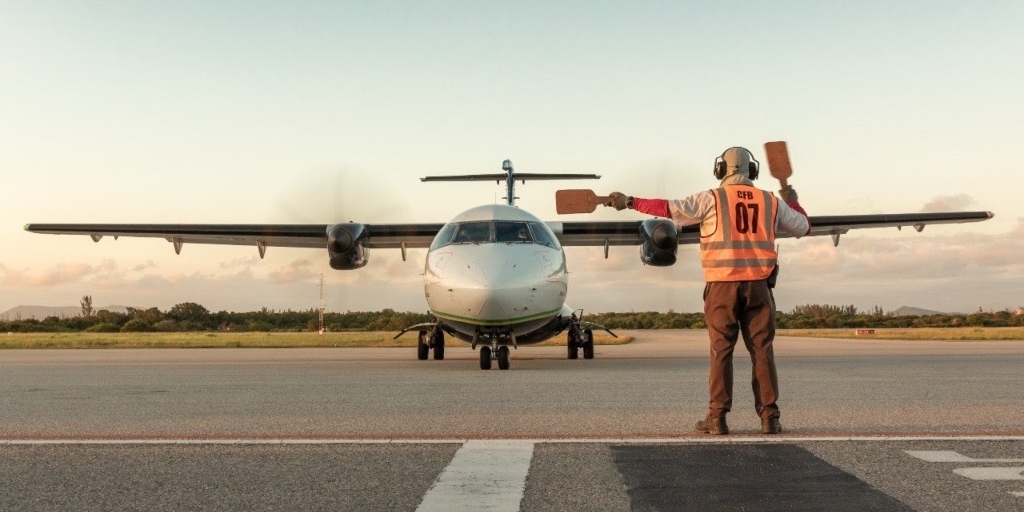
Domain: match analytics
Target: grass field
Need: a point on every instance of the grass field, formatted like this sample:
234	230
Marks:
237	339
928	333
384	339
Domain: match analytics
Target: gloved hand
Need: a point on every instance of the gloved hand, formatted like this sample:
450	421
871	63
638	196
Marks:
788	194
617	200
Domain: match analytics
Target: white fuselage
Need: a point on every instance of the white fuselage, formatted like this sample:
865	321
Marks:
496	267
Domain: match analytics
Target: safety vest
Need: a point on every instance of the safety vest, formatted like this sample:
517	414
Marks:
742	248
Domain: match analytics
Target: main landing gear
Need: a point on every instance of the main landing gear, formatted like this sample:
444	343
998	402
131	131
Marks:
430	340
581	336
581	339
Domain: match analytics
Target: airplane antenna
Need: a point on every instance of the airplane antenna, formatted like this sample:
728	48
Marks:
321	310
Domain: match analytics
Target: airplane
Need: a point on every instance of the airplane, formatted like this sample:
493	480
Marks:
495	275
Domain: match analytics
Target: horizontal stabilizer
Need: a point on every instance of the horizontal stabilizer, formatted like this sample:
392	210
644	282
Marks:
518	176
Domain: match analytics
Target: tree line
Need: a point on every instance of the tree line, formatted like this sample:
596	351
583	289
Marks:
190	316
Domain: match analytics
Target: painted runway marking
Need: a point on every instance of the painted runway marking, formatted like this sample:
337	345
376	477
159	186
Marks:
1019	494
609	440
951	456
991	473
483	475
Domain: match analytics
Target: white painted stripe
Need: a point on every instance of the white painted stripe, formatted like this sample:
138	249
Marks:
951	456
991	473
1019	494
610	440
483	475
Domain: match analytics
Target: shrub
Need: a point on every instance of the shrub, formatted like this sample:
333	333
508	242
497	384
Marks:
104	327
166	325
137	326
258	326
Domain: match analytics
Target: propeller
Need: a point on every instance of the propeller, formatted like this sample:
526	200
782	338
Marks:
347	194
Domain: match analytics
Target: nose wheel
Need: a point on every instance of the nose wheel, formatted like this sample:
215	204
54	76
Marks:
485	358
500	354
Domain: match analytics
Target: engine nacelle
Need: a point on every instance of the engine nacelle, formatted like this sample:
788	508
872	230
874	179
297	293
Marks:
345	246
659	242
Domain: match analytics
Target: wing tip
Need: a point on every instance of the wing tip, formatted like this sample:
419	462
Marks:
990	214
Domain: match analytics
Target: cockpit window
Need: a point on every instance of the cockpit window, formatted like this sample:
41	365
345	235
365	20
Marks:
543	235
512	232
444	237
501	231
473	233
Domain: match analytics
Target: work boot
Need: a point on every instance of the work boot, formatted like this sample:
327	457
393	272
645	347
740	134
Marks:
770	426
713	426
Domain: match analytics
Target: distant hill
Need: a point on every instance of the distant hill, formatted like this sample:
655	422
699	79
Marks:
41	312
909	311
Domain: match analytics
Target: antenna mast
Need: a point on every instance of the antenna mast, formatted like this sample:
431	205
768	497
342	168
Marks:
321	310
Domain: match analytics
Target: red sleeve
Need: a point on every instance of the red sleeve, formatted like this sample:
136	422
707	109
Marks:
656	207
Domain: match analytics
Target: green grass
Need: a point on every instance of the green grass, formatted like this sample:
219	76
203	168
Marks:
235	340
925	333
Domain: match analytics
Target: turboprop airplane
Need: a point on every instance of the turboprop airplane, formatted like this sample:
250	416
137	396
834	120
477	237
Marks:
495	275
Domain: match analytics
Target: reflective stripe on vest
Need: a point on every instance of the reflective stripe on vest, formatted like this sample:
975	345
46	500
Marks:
743	246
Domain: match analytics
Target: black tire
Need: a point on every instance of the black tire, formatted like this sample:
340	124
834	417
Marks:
574	347
504	358
438	345
588	344
422	348
485	358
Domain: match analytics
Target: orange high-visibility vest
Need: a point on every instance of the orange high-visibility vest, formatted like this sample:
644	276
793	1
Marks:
742	248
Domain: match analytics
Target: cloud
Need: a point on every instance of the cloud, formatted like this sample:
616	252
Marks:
298	270
1018	231
244	263
954	203
143	266
55	275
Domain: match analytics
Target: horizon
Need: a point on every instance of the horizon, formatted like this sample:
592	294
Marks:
117	308
315	112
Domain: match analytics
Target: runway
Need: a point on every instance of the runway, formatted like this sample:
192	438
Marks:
333	428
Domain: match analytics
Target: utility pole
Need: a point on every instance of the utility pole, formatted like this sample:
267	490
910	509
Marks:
321	303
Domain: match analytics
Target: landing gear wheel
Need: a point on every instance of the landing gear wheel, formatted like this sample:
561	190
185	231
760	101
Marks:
574	347
588	344
504	358
422	348
438	345
485	358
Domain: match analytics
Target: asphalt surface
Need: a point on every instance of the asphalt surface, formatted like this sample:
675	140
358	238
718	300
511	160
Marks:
611	433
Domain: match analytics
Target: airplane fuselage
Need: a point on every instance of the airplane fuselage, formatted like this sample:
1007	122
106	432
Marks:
497	270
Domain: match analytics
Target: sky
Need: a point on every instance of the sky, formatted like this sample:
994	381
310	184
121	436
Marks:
315	112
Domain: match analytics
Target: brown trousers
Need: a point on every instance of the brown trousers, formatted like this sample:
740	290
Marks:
746	307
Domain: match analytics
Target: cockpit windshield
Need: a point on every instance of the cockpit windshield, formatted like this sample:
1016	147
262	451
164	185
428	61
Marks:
499	231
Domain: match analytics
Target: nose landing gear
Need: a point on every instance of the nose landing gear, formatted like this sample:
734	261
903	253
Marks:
497	353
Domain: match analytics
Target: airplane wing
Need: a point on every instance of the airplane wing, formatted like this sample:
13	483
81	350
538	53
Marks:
387	236
409	236
628	233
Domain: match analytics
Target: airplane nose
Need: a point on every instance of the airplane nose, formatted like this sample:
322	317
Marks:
515	298
495	285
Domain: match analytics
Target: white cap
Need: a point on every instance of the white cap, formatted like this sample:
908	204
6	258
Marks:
737	160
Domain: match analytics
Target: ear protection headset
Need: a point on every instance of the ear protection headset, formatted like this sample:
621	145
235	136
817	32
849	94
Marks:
722	168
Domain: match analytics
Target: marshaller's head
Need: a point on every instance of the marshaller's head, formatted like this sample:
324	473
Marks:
736	160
